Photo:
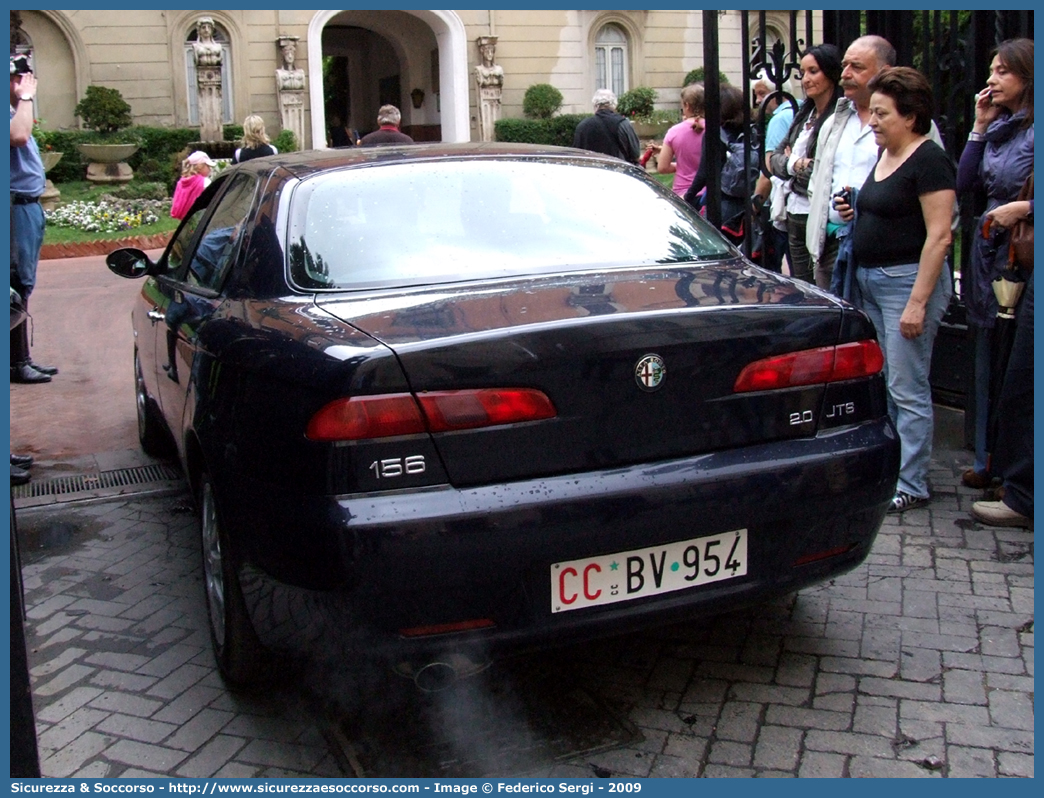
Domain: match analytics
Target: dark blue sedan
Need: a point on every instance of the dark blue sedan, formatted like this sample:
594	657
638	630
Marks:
442	401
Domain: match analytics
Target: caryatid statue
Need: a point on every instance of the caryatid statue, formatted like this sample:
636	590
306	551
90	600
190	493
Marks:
207	55
490	79
290	85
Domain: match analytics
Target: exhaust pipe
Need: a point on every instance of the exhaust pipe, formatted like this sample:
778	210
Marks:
431	677
435	676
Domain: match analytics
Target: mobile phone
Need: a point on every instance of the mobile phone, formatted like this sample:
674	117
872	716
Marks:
845	195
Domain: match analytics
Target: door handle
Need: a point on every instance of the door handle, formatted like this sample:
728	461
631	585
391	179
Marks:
156	315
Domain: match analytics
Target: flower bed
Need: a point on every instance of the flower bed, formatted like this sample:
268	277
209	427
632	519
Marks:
106	216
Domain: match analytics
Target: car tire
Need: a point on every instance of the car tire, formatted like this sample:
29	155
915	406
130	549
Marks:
242	660
152	433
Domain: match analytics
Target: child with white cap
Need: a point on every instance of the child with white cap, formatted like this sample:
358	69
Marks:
195	176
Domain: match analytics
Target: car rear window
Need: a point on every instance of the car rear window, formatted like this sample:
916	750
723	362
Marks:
425	223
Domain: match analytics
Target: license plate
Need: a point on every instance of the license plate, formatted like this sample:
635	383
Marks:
627	575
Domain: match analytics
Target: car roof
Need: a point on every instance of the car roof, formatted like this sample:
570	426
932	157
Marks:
303	164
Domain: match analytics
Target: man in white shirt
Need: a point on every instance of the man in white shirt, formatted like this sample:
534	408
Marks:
846	150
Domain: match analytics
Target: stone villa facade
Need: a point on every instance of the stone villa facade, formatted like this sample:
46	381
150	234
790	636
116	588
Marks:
422	61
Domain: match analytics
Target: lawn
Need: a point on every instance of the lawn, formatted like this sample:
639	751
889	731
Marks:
83	191
667	180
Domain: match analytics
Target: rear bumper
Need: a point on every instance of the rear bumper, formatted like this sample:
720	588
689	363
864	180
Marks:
355	570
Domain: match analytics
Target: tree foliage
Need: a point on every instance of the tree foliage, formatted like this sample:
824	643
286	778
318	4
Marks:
541	101
104	110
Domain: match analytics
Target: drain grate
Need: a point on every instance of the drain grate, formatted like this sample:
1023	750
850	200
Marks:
121	477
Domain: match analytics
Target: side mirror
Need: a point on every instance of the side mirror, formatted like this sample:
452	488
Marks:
131	263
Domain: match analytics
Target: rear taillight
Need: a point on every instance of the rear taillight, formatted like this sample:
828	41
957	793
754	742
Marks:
367	417
811	367
363	417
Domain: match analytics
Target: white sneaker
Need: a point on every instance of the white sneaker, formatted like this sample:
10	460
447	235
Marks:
999	514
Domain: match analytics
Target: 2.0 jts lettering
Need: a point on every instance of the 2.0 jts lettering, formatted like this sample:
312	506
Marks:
398	466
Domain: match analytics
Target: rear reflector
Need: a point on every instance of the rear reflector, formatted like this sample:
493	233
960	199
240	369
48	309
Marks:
811	367
452	410
823	555
447	628
384	416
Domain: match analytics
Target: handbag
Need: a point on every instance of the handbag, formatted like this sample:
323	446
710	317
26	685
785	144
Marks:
1020	247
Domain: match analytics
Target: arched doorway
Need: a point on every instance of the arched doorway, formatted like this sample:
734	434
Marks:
416	60
55	61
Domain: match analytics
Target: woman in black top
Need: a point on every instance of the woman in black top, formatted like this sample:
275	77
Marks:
902	235
255	141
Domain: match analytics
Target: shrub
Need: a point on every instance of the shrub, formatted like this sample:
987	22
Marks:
286	141
151	169
638	103
541	101
159	142
557	131
697	75
104	110
156	158
521	131
140	190
563	128
71	167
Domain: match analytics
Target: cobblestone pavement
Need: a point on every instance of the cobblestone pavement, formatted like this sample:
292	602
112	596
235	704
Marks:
919	663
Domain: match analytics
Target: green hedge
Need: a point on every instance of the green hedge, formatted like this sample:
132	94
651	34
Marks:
286	141
557	131
158	158
71	167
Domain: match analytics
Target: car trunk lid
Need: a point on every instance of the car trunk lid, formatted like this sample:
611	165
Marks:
639	363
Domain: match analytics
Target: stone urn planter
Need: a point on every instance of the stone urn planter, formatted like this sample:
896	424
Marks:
106	163
50	159
49	199
651	130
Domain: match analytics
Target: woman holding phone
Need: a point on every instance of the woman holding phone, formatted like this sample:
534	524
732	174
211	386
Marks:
997	160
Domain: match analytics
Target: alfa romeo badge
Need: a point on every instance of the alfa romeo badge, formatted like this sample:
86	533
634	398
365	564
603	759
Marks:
650	372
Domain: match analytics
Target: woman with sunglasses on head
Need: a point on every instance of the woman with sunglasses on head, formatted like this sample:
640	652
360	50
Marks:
794	158
996	160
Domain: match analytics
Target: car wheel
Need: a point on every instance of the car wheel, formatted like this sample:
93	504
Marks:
154	438
240	656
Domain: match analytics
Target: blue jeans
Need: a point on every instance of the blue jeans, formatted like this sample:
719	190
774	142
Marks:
883	294
27	233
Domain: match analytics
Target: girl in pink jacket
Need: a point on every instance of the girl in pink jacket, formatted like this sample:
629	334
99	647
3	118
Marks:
195	176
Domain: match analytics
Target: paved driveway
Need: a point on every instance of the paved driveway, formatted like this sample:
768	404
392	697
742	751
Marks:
919	663
81	323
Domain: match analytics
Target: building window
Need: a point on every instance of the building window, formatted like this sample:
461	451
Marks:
220	36
611	59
